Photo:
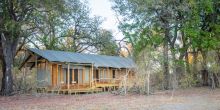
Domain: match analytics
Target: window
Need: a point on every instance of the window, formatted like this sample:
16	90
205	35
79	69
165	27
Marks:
104	73
97	74
86	75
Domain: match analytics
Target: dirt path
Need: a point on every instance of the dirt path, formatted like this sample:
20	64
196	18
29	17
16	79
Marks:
188	99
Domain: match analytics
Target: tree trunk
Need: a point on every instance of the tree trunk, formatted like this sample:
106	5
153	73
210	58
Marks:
205	70
8	50
165	60
194	67
7	80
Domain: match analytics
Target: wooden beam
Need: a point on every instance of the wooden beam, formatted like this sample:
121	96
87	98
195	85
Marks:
40	59
78	78
111	73
36	63
108	74
99	74
92	75
54	74
83	74
57	78
68	76
61	74
51	72
103	73
72	74
46	71
74	64
25	61
36	60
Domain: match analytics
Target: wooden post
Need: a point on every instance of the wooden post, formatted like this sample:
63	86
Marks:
36	63
107	76
100	75
83	75
57	79
36	67
99	72
51	73
72	75
61	74
46	69
68	76
92	75
78	79
125	83
103	74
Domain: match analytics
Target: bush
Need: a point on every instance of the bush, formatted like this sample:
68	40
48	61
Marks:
24	82
187	81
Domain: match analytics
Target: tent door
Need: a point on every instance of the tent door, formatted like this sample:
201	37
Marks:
54	74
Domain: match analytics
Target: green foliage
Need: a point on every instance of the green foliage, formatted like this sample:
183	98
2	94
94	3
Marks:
188	81
149	61
188	25
106	43
70	27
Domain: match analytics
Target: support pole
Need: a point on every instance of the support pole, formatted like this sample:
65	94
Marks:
47	74
61	77
125	83
57	74
68	76
108	74
92	75
83	75
36	68
90	82
36	63
78	79
73	76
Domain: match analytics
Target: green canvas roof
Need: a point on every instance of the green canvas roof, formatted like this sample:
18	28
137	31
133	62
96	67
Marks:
96	60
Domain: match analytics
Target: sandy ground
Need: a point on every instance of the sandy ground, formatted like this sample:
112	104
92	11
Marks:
187	99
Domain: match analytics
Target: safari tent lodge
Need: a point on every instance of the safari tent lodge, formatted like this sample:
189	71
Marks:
69	72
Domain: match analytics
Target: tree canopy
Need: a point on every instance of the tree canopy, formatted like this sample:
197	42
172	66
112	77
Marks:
48	24
178	27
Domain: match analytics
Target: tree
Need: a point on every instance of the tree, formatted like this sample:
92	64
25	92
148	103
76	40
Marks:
73	29
181	25
107	45
148	18
16	24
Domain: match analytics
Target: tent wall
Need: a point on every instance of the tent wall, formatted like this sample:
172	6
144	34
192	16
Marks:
86	76
55	74
43	74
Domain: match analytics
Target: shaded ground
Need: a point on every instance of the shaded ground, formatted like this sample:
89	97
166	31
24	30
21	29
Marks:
188	99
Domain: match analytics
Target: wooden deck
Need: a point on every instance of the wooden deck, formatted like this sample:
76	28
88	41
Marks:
77	89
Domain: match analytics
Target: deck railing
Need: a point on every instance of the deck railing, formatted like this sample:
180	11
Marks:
112	81
102	82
